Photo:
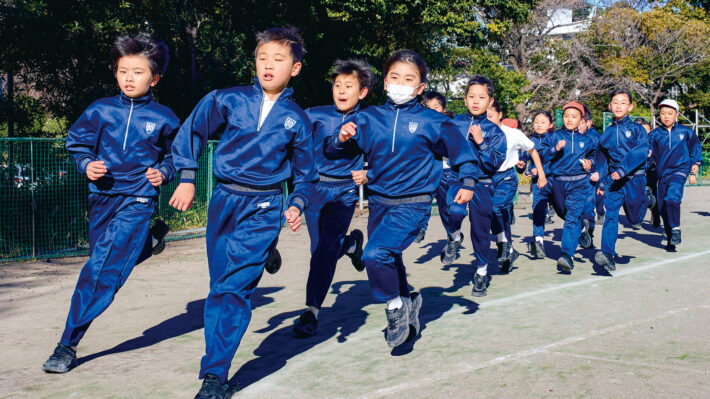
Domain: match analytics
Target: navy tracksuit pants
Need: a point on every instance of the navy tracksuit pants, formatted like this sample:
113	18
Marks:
629	192
670	194
541	198
392	226
569	198
451	213
119	239
590	206
328	216
242	229
480	210
505	186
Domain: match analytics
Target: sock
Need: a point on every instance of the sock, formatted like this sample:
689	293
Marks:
676	228
511	250
314	310
154	240
456	235
538	239
395	303
501	237
482	270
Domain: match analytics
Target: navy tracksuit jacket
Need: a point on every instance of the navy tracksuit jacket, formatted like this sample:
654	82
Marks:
130	135
591	204
488	157
675	151
331	201
623	148
400	142
569	180
541	197
245	213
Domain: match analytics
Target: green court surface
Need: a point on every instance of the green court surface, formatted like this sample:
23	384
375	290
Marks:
645	332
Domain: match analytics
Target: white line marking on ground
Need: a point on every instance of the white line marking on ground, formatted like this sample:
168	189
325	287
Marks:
464	368
642	364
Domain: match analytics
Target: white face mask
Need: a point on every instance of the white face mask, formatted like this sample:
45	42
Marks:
399	94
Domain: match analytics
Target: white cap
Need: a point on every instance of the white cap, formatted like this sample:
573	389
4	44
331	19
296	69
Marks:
670	103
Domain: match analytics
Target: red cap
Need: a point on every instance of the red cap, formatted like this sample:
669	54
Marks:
579	107
510	123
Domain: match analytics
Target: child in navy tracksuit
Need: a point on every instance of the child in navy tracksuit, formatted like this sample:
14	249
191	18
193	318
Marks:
122	144
651	178
571	155
542	123
265	139
588	216
333	199
623	151
678	154
400	139
505	183
489	147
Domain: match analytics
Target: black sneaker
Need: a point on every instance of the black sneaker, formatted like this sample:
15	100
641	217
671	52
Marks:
62	360
675	237
548	220
512	218
159	230
585	239
537	249
600	218
508	264
213	389
420	236
448	255
504	251
651	198
480	284
565	264
273	262
670	248
356	256
306	325
398	324
416	305
606	261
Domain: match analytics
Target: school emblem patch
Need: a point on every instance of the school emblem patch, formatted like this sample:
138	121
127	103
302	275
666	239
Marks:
680	136
289	123
413	127
581	145
149	127
628	134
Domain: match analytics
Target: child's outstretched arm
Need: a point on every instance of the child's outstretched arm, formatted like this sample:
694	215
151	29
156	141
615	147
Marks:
81	141
304	175
636	156
453	145
541	178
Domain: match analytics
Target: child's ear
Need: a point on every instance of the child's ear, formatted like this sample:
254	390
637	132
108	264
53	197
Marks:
363	93
631	107
296	69
155	80
421	89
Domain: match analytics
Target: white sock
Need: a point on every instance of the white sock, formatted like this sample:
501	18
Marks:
538	239
501	237
154	240
482	270
676	228
314	310
395	303
456	235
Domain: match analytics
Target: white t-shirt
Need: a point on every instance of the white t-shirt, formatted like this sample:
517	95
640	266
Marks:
516	140
265	109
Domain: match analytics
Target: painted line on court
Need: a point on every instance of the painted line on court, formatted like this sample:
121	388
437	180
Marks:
642	364
464	368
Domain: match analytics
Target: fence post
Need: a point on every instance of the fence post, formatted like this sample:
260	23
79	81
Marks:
34	205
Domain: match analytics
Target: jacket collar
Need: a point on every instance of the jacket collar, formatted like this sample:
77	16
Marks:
352	111
626	119
409	105
287	93
136	101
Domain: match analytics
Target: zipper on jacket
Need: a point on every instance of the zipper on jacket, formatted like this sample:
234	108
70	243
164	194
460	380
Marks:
394	131
261	107
128	124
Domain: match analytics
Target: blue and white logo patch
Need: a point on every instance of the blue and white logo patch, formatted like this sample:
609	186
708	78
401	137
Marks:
149	127
413	127
628	134
680	136
289	123
581	145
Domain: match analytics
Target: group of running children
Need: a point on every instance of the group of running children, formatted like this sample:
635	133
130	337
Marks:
129	145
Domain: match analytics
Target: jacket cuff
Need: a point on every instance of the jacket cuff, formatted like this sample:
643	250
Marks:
165	174
468	184
81	165
188	176
621	173
482	146
298	202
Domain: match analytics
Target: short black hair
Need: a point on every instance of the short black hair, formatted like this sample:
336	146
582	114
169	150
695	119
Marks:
287	36
144	44
359	68
546	114
480	80
640	121
587	113
496	106
621	91
434	95
410	57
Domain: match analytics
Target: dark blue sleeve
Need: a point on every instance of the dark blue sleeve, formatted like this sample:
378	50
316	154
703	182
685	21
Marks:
333	148
453	145
637	156
205	121
81	140
695	149
548	147
491	154
304	171
167	137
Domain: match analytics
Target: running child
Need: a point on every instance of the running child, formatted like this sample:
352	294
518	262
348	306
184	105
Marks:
586	239
400	139
122	144
571	155
265	139
333	198
677	153
542	124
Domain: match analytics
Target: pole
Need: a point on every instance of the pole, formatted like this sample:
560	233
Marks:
10	105
34	205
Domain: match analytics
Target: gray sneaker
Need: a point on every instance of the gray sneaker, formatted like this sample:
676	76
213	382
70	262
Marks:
480	284
585	239
398	324
416	305
62	360
538	249
448	255
605	260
